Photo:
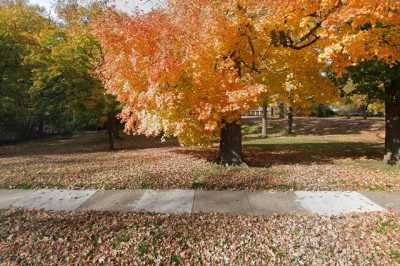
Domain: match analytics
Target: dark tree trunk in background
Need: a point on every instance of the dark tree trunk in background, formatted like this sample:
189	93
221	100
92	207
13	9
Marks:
29	132
392	114
116	133
115	127
365	112
230	146
272	112
110	130
290	120
281	111
264	129
41	128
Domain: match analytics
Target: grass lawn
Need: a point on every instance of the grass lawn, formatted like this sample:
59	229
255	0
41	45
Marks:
325	154
37	237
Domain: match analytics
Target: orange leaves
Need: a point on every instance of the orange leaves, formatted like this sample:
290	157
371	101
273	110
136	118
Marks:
373	33
183	69
178	71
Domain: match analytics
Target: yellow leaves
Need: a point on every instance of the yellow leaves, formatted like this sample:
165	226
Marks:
308	22
199	62
360	21
353	48
211	126
374	33
349	87
359	100
205	113
180	81
376	108
330	51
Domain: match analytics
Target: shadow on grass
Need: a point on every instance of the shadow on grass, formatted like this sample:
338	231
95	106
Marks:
315	126
89	142
310	153
265	155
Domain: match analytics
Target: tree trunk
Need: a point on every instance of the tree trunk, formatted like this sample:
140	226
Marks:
115	129
392	119
230	146
365	112
290	120
110	130
41	128
281	111
272	112
264	132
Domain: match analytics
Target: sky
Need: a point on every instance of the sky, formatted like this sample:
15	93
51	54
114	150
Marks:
123	5
44	3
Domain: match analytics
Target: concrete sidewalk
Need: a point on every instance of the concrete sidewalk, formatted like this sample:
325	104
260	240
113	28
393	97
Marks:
191	201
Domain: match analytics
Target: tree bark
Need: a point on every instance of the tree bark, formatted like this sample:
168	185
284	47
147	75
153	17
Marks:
290	120
115	127
41	128
281	111
110	130
230	146
264	129
392	120
365	111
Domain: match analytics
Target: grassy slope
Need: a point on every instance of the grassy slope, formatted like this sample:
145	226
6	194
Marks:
326	154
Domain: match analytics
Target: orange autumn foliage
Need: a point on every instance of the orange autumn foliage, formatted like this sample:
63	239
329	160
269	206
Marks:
361	31
171	77
187	69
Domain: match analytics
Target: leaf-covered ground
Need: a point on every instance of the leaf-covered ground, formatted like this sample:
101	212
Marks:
326	154
37	237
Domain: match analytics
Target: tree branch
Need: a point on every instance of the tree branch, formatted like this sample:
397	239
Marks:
284	39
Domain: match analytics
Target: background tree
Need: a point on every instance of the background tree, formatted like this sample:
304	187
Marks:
365	83
77	16
62	78
264	127
352	32
296	87
360	37
20	25
47	74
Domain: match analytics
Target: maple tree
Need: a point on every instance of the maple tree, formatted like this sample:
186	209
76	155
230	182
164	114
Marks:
351	32
367	31
192	69
295	86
